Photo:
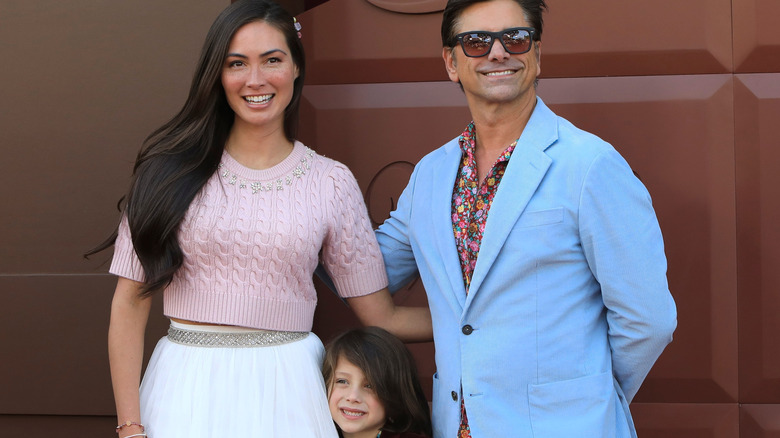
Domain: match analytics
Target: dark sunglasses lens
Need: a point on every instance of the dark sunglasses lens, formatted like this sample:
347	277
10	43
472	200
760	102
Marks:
476	44
517	41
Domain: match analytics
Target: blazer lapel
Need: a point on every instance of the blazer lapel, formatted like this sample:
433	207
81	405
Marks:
524	173
444	175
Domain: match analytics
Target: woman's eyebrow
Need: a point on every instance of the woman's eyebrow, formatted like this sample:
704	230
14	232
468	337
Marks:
272	51
239	55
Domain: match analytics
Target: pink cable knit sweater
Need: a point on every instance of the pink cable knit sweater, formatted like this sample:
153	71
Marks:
252	239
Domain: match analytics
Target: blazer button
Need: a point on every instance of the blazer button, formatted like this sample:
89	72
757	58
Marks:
454	396
467	329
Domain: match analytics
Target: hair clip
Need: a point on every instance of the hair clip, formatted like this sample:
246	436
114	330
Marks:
297	26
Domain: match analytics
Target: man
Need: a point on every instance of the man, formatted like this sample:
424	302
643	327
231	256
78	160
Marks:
538	248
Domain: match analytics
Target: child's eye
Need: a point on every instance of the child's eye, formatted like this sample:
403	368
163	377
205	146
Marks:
369	386
341	381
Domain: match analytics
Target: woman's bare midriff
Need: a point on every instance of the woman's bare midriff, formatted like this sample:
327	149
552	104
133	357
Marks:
186	321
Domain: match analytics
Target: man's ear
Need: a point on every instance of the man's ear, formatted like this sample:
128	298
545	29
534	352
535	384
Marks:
538	58
450	63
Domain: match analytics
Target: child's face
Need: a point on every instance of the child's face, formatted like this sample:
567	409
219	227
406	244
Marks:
353	403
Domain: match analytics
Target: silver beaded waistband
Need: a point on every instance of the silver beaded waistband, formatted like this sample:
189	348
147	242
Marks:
233	340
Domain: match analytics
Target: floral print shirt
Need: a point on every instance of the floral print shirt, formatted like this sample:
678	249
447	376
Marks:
471	201
470	206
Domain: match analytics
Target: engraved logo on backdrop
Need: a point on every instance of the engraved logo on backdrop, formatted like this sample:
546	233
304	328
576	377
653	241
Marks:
410	7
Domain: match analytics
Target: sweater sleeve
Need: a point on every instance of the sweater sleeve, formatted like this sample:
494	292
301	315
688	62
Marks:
125	262
350	251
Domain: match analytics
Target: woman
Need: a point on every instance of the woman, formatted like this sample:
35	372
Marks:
229	216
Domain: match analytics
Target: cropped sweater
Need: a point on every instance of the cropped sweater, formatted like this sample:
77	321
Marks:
252	238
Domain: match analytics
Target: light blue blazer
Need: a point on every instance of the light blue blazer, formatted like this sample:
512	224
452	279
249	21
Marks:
569	305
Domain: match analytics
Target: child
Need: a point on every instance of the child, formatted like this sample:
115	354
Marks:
373	390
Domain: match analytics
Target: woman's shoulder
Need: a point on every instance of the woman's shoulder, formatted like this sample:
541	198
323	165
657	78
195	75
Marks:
330	167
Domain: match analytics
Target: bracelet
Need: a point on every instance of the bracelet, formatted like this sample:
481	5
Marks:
138	434
130	423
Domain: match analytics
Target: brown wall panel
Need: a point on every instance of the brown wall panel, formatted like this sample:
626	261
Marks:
410	7
48	426
757	112
368	126
375	45
623	38
81	85
686	420
53	329
760	421
756	36
615	38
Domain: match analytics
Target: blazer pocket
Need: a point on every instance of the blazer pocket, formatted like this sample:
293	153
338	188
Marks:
540	217
579	407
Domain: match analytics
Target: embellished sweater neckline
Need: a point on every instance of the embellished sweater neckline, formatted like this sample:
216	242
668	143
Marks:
277	177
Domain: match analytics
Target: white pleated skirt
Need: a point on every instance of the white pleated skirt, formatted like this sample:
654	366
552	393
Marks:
192	391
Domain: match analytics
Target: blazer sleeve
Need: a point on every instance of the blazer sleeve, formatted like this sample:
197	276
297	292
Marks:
395	241
624	248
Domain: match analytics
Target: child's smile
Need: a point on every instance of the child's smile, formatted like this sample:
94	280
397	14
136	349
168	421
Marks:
353	402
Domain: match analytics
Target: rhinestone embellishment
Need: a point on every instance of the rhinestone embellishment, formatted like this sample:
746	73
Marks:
267	186
233	340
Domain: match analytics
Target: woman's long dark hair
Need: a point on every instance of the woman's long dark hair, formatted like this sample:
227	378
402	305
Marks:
390	368
178	158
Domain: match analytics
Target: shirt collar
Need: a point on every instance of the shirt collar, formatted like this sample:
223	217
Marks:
467	139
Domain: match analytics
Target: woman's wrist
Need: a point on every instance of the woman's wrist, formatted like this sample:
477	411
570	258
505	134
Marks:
130	429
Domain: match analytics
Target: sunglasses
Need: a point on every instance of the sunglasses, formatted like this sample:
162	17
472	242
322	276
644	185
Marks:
516	41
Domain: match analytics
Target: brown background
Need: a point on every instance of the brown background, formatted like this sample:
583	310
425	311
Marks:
688	92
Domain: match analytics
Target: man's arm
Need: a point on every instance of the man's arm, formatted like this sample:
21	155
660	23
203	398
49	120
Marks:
624	248
410	324
395	242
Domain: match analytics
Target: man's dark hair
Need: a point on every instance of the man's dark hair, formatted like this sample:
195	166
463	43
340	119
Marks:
533	13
